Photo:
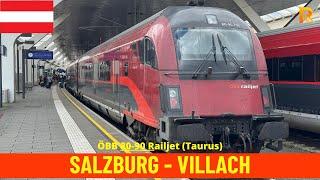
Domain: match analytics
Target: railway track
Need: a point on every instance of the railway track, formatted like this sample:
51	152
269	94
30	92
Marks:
303	141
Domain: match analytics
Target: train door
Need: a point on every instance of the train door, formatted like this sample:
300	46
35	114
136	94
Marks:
151	75
116	88
77	78
138	71
150	65
95	75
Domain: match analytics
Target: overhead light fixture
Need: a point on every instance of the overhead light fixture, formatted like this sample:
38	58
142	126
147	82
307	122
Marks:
60	57
25	42
57	53
26	35
44	39
28	42
50	45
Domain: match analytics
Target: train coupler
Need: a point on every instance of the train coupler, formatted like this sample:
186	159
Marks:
275	145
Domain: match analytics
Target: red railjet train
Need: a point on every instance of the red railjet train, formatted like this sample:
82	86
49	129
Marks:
195	74
293	60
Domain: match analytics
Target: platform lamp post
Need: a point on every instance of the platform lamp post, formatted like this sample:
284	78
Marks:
24	69
3	52
16	44
0	72
33	65
18	66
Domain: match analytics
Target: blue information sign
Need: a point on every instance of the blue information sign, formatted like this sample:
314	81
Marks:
40	54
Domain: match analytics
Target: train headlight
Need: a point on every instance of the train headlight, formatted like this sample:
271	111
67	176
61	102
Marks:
174	98
266	98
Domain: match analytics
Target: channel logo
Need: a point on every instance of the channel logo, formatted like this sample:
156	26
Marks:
305	15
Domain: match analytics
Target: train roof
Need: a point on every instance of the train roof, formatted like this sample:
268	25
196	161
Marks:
298	40
180	16
188	16
297	27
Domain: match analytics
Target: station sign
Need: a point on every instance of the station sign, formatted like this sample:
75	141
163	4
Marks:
39	54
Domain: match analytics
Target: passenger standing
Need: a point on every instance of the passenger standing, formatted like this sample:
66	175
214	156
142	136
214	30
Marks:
49	82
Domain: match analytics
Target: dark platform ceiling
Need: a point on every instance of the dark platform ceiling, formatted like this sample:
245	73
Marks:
94	21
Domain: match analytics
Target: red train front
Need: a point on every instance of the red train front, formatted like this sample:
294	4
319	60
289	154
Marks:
170	78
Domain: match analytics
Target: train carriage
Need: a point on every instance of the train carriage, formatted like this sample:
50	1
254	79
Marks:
172	78
293	60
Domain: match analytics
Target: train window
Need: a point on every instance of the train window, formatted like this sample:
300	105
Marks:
275	69
270	69
290	69
104	71
317	68
194	44
141	51
88	71
147	52
150	53
134	48
299	68
309	68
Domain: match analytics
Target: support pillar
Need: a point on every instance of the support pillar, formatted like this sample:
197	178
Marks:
252	16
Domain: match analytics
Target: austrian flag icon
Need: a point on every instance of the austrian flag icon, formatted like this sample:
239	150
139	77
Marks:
26	16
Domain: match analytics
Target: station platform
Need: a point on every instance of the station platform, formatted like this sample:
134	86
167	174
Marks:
53	121
47	121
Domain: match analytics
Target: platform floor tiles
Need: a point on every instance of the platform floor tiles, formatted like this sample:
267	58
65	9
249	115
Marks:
32	125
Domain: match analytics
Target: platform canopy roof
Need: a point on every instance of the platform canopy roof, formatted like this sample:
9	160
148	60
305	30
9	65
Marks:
94	21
